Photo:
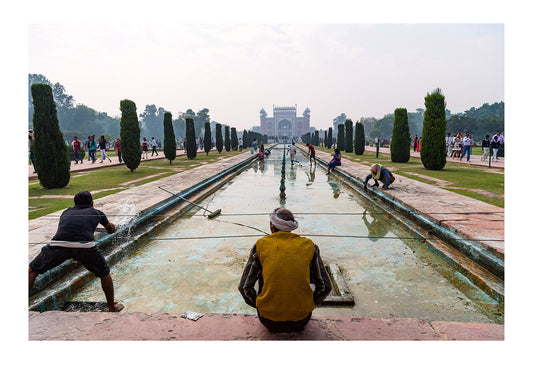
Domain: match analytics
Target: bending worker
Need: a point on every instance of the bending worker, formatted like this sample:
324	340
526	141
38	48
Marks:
379	173
75	239
285	264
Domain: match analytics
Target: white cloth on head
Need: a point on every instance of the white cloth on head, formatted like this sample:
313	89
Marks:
283	225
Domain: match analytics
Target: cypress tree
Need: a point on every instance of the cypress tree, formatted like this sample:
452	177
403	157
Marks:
207	138
317	139
400	150
348	140
190	136
218	137
227	140
329	142
130	135
52	163
245	139
433	144
169	141
359	142
340	137
234	139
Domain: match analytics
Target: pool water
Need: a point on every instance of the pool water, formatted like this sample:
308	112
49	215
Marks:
196	263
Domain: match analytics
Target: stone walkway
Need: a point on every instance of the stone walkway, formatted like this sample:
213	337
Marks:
440	204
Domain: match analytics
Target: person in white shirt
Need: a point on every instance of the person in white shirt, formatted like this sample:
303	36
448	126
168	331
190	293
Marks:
500	141
449	144
153	143
467	147
292	152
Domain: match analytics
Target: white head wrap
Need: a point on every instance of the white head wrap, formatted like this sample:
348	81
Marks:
283	225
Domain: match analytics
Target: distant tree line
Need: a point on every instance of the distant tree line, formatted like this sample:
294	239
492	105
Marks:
485	120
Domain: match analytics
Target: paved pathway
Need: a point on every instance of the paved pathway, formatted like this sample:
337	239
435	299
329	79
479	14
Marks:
121	326
474	160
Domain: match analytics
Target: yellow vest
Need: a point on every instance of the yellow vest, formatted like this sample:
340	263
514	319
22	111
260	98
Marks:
286	294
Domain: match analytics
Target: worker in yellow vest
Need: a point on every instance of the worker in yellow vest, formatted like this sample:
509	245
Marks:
285	264
379	173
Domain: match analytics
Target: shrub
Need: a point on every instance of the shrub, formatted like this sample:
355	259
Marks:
207	138
218	138
340	137
359	142
234	139
52	163
169	141
400	146
227	140
245	139
190	136
433	145
130	135
348	140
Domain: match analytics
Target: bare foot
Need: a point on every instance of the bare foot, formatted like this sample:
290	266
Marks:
116	308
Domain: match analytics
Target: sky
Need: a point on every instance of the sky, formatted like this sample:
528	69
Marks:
236	69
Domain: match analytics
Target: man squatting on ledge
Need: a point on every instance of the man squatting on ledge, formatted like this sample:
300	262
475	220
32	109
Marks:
284	264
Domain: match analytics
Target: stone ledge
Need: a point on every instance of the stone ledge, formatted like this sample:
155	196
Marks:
57	325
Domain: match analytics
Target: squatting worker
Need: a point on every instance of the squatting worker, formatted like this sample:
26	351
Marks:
379	173
75	239
285	264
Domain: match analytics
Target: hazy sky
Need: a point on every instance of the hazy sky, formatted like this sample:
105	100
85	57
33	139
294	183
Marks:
236	69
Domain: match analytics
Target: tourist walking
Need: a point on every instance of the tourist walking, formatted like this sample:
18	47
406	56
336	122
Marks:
415	143
30	146
285	265
102	145
449	144
335	161
145	148
240	144
485	144
500	142
117	150
153	143
456	151
467	147
76	146
92	149
74	239
495	146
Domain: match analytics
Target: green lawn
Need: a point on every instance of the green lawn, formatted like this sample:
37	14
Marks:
477	182
112	180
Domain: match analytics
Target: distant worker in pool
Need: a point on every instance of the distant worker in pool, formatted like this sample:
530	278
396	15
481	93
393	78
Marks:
335	161
285	264
75	239
311	153
292	152
379	173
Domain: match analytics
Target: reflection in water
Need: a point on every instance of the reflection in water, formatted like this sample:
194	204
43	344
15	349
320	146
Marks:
311	174
335	187
376	229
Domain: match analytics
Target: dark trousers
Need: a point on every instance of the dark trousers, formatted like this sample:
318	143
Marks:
284	326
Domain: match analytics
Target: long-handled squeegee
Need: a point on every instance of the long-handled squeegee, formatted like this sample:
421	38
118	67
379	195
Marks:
212	214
